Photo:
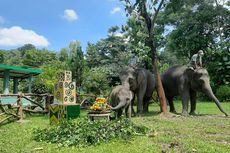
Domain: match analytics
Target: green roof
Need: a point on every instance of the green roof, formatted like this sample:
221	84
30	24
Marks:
18	72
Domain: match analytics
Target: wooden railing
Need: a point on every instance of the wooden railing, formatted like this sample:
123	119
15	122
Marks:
17	110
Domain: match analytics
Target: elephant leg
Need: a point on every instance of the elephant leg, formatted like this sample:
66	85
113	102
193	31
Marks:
171	105
140	96
140	105
132	104
193	102
128	111
185	99
119	113
146	104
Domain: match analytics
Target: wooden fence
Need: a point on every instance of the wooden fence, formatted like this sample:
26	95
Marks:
16	111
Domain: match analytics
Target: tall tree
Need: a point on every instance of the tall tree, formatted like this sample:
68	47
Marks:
136	33
197	25
37	58
2	52
76	61
149	11
201	25
110	53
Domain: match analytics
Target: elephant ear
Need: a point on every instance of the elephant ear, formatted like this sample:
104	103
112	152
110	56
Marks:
189	73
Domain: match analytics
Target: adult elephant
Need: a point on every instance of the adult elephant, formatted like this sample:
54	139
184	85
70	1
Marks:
180	80
142	83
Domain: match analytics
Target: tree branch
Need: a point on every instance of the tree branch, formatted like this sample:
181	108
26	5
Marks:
145	14
157	11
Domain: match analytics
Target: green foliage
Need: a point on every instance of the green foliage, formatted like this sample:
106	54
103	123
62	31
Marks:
136	34
170	58
75	61
26	47
218	64
63	55
104	61
196	25
37	58
163	67
110	51
40	88
49	77
96	81
223	93
86	133
13	57
2	56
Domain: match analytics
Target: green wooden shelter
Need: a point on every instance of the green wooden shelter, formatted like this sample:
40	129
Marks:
8	72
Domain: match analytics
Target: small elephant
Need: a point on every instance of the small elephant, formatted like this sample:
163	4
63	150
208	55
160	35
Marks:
120	99
180	80
142	83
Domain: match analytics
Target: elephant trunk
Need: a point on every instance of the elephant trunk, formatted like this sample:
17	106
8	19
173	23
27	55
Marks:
119	106
209	93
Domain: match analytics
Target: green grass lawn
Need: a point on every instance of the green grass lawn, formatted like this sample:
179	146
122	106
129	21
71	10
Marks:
209	131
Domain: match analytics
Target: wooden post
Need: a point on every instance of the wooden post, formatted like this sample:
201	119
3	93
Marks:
20	109
30	84
49	100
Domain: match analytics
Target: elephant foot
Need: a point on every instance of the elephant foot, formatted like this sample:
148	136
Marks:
133	114
185	114
140	114
173	111
193	113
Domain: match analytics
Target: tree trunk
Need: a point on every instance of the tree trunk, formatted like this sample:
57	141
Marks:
159	86
150	22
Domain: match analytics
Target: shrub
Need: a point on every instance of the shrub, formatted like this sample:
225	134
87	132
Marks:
39	88
86	133
223	93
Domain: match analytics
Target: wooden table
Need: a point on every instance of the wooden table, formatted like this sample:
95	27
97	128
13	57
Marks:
98	116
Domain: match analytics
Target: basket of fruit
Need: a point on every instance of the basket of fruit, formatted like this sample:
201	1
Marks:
100	106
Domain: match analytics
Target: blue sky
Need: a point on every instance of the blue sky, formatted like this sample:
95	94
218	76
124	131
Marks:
53	24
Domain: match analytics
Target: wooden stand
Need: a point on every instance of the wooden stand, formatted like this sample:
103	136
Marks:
99	116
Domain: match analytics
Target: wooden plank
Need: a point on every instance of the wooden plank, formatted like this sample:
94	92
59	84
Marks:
24	94
34	111
6	118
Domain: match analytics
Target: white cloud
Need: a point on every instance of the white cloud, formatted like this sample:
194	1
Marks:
115	10
2	20
17	36
70	15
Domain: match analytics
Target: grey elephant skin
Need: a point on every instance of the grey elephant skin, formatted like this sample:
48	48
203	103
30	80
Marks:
180	80
120	99
142	83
